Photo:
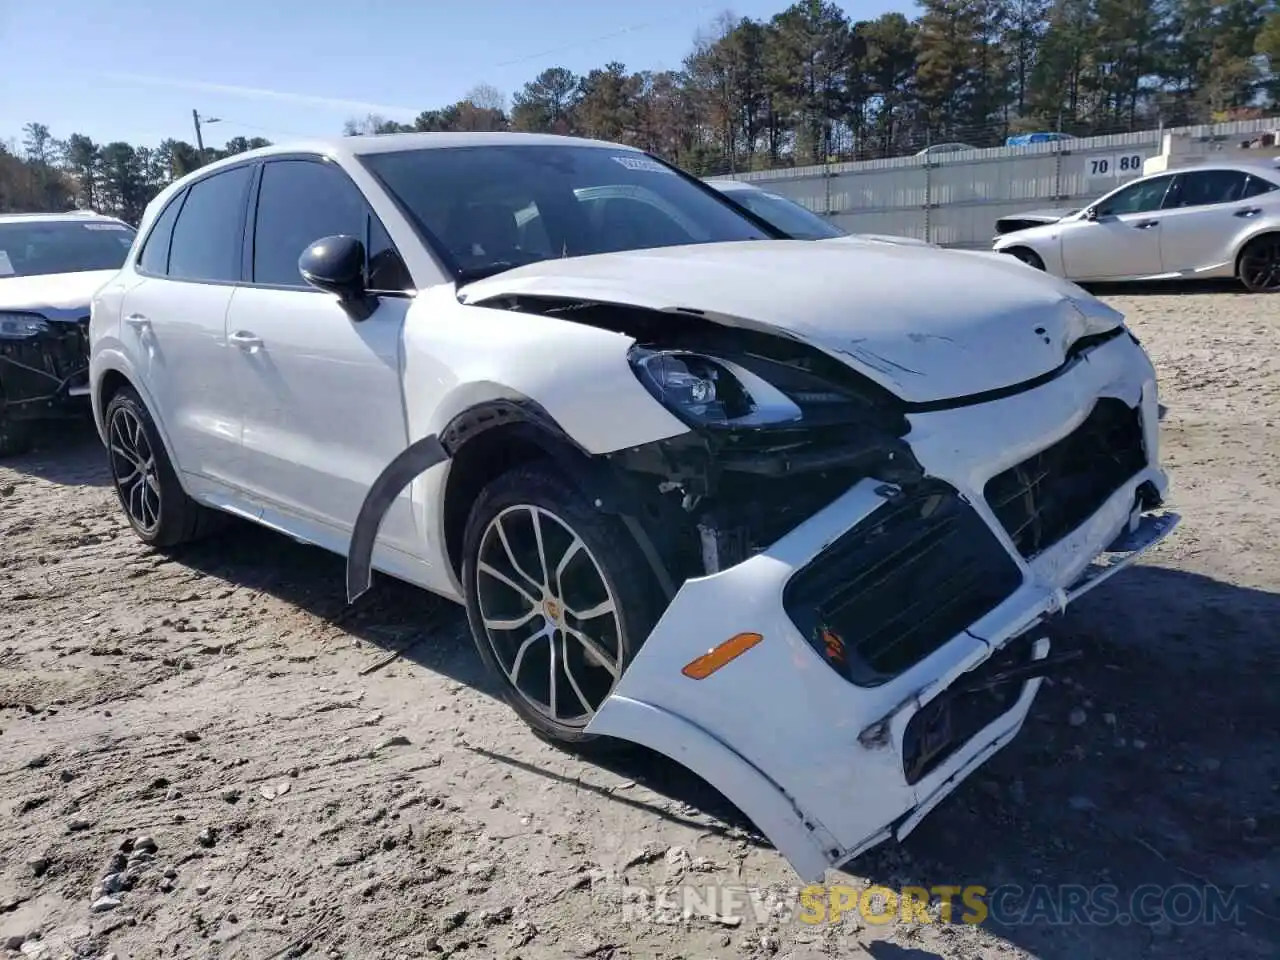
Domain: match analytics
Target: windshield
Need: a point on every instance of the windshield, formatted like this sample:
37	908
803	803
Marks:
787	215
37	247
491	208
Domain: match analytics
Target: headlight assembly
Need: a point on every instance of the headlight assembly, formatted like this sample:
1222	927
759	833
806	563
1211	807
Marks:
19	326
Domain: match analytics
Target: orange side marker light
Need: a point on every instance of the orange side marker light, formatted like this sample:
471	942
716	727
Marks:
715	658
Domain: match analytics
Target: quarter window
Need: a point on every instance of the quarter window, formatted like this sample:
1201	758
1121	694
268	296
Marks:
1257	186
155	253
207	239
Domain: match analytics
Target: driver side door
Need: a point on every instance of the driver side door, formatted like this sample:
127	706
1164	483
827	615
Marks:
320	393
1124	239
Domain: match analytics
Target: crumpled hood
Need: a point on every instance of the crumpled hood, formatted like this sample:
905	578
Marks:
55	291
926	323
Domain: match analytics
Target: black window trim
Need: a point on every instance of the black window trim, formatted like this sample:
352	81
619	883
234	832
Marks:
183	194
1171	193
371	217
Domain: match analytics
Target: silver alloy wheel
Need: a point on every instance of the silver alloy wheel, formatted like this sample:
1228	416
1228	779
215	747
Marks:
133	464
549	615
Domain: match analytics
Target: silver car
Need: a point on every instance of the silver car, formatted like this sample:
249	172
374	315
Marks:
1213	220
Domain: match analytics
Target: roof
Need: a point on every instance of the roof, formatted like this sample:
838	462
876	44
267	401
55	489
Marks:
393	142
69	216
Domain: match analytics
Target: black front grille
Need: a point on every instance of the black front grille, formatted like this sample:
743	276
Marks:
900	584
1045	497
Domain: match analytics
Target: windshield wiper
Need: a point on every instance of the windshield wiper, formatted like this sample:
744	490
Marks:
483	272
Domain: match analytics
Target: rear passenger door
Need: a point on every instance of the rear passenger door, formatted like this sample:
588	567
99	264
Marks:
1203	213
174	321
322	408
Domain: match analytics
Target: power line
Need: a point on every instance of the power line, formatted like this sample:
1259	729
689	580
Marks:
634	28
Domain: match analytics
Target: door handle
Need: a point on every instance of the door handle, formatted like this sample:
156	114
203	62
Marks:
245	340
1146	224
1250	212
138	321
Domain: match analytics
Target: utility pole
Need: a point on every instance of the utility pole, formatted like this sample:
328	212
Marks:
196	118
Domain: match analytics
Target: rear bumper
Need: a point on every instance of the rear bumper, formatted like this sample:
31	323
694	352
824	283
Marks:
47	376
829	762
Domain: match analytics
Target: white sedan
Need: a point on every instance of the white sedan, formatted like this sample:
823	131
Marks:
1201	222
776	509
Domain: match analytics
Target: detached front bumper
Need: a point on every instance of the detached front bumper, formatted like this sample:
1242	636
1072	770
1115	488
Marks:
46	376
891	643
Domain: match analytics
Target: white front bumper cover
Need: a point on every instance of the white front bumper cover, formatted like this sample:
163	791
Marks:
815	761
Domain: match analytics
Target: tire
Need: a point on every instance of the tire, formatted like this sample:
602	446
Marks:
1258	267
134	447
1027	256
15	435
564	513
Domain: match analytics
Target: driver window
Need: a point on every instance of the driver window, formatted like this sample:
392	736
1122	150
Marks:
1136	198
301	201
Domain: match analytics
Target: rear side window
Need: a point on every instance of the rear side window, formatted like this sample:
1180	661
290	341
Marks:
1207	187
207	238
155	252
1257	186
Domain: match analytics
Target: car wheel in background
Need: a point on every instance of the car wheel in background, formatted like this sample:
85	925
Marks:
1027	256
558	599
1259	264
158	509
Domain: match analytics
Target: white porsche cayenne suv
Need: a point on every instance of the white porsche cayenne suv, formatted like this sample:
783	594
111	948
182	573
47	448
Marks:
798	515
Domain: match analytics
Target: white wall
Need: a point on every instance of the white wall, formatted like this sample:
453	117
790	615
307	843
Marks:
955	199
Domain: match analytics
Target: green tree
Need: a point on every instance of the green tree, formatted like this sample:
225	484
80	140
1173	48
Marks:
546	103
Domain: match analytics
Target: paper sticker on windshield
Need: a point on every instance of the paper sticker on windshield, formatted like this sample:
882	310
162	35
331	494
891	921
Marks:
6	265
641	163
104	226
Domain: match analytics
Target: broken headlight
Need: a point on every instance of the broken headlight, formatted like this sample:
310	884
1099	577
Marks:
715	392
18	326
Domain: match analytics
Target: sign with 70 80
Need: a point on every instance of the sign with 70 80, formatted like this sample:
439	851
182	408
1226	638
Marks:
1110	166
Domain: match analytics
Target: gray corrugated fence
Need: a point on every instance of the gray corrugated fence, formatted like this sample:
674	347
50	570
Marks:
955	199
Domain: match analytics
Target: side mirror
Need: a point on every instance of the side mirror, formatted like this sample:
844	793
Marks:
1091	213
336	265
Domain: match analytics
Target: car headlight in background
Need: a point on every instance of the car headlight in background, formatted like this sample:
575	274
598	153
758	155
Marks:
18	326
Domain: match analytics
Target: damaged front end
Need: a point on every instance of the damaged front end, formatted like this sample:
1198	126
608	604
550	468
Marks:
863	587
44	365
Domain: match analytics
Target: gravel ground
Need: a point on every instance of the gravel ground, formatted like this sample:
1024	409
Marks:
211	756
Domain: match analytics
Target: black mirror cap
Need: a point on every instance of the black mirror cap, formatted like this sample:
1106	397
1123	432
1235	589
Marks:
1091	213
334	265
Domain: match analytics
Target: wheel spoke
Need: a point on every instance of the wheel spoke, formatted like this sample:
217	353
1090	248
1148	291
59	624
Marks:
569	554
551	678
573	681
599	610
511	555
594	650
495	623
503	578
528	642
542	550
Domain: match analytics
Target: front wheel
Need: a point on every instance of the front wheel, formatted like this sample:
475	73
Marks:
158	509
1259	266
558	600
1027	256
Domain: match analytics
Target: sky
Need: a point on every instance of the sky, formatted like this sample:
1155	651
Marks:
135	69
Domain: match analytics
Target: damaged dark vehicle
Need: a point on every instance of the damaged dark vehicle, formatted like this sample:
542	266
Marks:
50	267
781	510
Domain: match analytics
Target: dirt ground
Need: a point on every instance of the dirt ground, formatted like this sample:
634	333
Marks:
209	756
